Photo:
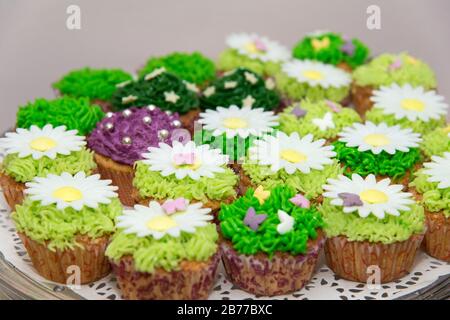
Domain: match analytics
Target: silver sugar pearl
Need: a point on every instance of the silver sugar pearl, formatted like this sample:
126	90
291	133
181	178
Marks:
151	107
109	126
168	112
176	123
163	134
147	119
109	114
126	113
126	140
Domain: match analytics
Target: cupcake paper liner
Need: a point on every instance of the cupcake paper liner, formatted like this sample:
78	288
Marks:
193	281
56	265
361	98
264	276
437	237
121	175
12	190
351	259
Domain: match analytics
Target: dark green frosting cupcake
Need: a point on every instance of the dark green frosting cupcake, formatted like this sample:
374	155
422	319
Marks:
74	113
331	48
192	67
159	88
92	83
239	87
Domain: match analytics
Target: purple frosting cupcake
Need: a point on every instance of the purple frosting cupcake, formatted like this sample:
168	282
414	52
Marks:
123	136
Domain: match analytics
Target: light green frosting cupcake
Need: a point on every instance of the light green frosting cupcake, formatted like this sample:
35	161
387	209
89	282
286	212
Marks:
290	123
59	228
25	169
433	199
152	184
167	252
388	230
378	72
231	59
436	142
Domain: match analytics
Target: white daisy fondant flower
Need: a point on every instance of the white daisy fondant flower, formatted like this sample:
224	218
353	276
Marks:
234	121
408	102
438	170
75	191
156	222
291	153
257	47
316	73
185	160
45	142
378	138
367	196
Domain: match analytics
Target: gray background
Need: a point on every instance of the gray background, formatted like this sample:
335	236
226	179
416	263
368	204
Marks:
36	48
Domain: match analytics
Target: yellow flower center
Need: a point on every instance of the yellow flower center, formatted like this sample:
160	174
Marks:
235	123
42	144
250	47
313	75
193	166
412	60
68	194
373	196
293	156
161	223
377	139
412	105
320	44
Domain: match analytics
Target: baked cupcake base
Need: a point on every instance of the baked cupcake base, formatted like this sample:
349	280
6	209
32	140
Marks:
121	175
12	190
361	98
264	276
437	237
58	265
353	260
193	281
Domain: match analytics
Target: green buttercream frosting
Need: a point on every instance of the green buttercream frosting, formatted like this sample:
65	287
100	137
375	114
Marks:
92	83
167	252
266	238
385	164
151	184
377	72
74	113
60	227
433	199
376	115
224	97
289	123
231	59
154	91
388	230
26	169
333	54
192	67
309	184
435	143
302	90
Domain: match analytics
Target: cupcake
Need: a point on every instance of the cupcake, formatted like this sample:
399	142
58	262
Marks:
234	129
385	70
35	152
191	67
161	89
332	48
240	87
65	223
194	172
253	52
371	226
165	252
74	113
120	139
382	150
313	80
431	187
96	84
408	107
270	245
323	119
298	162
436	142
